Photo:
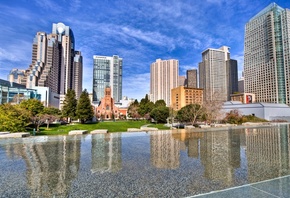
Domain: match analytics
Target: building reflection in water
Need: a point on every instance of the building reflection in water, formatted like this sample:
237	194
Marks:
51	165
266	157
164	150
106	152
220	155
267	152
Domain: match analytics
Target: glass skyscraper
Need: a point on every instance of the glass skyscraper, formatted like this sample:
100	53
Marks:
107	72
267	55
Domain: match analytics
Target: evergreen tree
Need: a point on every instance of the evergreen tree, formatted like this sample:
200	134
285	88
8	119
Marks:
190	113
145	107
160	103
160	114
70	105
84	109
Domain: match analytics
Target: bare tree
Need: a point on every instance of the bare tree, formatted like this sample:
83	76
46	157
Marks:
212	107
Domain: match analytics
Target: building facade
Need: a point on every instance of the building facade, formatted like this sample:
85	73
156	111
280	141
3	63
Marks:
164	76
267	55
107	109
182	96
14	93
191	76
245	98
107	72
218	74
16	75
78	73
55	63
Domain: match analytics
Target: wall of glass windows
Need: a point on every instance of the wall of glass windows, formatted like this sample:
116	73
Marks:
15	93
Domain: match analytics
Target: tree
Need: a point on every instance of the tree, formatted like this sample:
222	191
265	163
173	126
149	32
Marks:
32	105
13	118
35	107
133	110
160	114
50	114
70	105
160	103
145	107
84	109
212	110
190	113
233	117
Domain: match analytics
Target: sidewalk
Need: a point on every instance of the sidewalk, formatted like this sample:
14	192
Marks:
279	187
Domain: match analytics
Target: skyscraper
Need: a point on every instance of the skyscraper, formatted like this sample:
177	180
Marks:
163	78
267	55
218	74
107	72
78	73
55	63
66	44
191	76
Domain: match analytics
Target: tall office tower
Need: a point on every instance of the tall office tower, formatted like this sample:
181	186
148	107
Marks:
163	78
55	63
181	80
38	61
232	77
51	71
66	44
218	74
241	83
191	76
267	55
107	72
78	73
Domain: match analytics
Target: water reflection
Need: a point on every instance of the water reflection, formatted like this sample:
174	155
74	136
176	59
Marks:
179	163
267	153
106	153
164	150
50	165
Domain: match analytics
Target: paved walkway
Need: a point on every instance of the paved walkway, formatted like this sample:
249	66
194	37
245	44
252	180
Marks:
279	187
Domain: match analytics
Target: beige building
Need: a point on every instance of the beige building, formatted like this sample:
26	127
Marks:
245	98
182	96
163	77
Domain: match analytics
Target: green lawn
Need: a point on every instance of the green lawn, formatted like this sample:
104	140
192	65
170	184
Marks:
118	126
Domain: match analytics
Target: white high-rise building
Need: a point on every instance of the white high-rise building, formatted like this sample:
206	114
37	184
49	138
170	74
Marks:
267	55
164	76
107	72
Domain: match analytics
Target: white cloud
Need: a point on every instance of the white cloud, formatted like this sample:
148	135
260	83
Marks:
48	5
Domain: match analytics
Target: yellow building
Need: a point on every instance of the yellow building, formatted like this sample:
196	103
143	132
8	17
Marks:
182	96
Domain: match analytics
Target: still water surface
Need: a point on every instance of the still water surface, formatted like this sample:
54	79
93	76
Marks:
155	164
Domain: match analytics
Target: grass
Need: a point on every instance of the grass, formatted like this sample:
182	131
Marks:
118	126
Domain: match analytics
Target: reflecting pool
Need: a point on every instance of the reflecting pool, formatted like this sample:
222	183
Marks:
176	163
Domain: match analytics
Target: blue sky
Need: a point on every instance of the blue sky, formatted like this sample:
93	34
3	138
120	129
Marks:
139	31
